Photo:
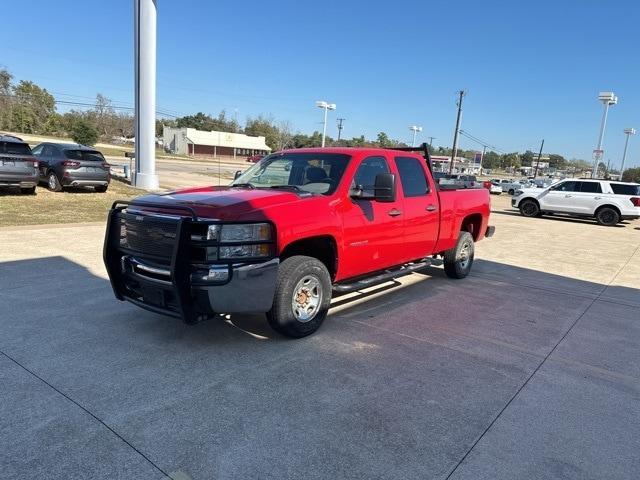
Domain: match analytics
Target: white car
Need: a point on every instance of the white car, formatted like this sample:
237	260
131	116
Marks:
607	201
496	188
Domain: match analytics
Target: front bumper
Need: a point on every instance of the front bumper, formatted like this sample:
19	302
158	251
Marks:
184	289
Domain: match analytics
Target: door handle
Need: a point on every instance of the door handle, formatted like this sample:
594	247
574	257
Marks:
597	198
430	208
568	196
394	212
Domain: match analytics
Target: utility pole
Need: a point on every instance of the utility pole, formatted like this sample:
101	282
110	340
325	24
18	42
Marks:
535	174
484	150
431	139
454	150
340	120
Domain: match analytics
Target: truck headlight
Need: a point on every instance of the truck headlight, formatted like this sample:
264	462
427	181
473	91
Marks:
242	232
244	251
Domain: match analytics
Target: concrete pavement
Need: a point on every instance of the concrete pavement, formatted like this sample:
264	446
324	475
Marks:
527	369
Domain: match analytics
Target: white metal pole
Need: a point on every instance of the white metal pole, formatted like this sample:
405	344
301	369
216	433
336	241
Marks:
413	143
624	155
324	125
145	93
603	125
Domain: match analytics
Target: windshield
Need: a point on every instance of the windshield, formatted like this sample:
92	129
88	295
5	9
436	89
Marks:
309	172
91	155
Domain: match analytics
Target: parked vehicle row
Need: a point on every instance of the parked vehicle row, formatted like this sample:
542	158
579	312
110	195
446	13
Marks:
607	201
287	232
58	165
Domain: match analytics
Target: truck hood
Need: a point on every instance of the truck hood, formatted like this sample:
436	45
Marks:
225	203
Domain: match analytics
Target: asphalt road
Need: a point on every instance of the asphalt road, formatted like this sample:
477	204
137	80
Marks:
527	369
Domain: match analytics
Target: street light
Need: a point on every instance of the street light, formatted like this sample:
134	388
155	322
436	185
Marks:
325	106
415	129
628	132
607	99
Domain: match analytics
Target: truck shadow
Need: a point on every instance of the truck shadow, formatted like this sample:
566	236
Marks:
558	218
61	313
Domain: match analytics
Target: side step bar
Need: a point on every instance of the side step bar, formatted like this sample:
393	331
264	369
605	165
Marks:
383	277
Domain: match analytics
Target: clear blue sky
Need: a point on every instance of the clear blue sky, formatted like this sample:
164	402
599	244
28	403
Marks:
532	69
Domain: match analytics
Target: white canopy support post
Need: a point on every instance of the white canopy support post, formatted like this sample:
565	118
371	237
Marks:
145	93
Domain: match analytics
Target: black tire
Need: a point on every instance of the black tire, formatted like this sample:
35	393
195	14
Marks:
459	259
529	208
28	191
607	216
290	291
53	183
101	188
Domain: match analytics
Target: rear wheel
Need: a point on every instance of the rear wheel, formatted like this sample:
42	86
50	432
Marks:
53	183
458	260
529	208
100	188
28	190
302	297
607	216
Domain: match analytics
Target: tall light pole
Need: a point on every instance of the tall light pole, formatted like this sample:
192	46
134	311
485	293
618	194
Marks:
415	129
607	99
145	93
454	150
325	106
628	132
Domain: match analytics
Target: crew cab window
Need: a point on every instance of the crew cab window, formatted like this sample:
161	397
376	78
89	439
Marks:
590	187
567	187
412	176
625	189
365	177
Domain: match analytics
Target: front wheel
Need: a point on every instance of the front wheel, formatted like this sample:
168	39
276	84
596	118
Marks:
302	297
529	208
458	260
607	216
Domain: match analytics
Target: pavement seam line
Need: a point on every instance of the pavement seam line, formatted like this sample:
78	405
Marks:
84	409
526	382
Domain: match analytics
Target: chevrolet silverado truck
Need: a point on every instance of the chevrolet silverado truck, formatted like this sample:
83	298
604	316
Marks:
291	230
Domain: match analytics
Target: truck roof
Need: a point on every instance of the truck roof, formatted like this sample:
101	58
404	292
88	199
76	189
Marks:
349	150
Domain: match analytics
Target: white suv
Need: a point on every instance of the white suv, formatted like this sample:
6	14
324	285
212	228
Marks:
609	202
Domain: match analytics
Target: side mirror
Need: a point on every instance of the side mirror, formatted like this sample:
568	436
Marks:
237	174
385	187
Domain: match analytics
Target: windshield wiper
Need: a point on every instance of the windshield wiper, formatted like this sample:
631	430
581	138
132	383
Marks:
243	185
287	187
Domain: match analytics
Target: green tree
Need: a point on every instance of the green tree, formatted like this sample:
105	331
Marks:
84	132
33	107
557	161
201	121
631	175
6	100
527	158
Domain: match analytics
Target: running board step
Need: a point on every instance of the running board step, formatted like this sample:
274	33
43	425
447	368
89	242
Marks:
382	277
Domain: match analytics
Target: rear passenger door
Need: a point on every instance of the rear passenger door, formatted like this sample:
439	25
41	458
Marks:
589	198
419	209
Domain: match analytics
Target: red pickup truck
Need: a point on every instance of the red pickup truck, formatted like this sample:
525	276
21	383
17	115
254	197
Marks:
289	231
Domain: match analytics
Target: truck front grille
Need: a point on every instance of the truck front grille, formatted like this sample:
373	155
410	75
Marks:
148	235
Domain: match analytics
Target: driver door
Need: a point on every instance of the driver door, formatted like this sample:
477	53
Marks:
560	197
373	230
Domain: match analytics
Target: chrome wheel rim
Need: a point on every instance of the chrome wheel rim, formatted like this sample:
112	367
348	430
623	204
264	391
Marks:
52	181
307	297
465	255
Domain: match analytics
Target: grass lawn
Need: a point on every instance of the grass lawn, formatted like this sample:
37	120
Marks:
68	206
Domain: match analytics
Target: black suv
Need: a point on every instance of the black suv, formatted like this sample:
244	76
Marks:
18	167
72	165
